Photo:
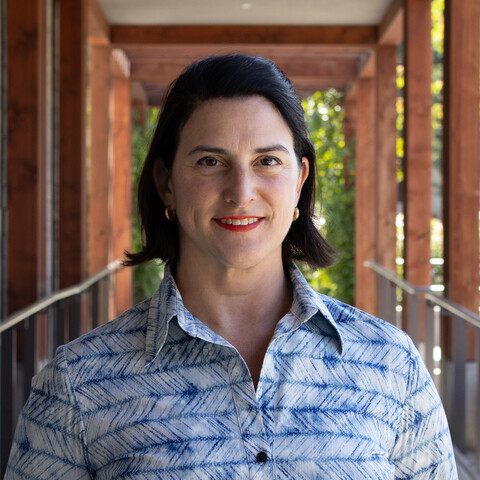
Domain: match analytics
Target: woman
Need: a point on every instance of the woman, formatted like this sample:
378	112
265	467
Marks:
235	368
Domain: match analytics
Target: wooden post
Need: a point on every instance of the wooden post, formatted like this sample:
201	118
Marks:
386	156
122	180
461	159
418	145
365	289
24	119
349	131
100	174
72	198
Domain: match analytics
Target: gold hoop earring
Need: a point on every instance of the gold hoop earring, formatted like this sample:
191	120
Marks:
296	214
170	214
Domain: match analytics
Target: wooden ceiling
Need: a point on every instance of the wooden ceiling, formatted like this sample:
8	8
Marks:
313	57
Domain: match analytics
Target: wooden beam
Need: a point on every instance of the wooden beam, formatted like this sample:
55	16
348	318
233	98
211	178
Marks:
386	156
390	30
304	87
153	70
122	35
365	287
461	158
72	198
98	26
418	142
23	149
310	67
190	52
366	70
100	174
329	69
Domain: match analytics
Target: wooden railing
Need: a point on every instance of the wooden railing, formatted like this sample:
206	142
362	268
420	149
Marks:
30	337
421	312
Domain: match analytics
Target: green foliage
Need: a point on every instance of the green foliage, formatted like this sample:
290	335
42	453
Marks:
400	108
335	199
437	8
437	81
146	277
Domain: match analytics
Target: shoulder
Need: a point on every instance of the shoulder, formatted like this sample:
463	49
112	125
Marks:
356	325
374	346
103	348
380	352
349	324
131	324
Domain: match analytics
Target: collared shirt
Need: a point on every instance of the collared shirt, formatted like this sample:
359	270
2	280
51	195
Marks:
156	394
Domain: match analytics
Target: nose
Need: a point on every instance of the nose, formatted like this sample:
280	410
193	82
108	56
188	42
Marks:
240	187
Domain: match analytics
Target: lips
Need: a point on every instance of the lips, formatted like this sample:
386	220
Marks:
238	224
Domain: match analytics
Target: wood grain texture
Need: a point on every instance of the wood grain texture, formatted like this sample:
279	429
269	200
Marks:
253	34
365	288
99	214
23	152
122	189
418	142
72	192
461	164
386	157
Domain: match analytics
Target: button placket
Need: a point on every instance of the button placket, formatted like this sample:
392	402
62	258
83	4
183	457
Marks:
249	418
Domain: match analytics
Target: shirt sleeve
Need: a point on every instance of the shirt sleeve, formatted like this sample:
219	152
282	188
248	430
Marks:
423	448
49	439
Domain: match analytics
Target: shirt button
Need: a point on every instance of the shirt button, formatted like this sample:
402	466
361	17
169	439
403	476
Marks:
262	457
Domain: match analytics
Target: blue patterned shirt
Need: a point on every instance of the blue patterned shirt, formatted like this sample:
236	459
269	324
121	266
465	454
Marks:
155	394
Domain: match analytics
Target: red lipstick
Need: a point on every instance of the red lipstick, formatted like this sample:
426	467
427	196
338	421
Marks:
243	223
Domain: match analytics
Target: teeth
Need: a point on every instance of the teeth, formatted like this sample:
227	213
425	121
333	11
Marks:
235	221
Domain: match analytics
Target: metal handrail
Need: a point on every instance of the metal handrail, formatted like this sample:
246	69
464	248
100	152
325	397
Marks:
445	303
392	277
454	308
40	305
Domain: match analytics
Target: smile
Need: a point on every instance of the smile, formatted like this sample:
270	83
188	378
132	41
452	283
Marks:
239	224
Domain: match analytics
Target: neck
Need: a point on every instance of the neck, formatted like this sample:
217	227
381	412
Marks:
242	305
208	288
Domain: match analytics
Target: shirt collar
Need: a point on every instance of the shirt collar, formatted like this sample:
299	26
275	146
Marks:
163	307
311	309
307	308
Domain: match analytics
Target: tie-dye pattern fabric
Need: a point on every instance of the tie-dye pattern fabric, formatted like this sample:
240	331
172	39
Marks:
155	394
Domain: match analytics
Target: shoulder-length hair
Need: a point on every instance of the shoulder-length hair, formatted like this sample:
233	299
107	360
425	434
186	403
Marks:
228	76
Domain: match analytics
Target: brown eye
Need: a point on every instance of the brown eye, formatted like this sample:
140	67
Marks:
269	161
209	162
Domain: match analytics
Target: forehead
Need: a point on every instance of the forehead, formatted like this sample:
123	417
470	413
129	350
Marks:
252	117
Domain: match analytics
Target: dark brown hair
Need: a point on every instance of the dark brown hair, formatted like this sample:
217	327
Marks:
228	76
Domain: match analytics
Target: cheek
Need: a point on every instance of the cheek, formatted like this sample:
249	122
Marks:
284	190
193	194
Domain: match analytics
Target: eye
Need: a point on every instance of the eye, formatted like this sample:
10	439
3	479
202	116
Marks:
269	161
209	162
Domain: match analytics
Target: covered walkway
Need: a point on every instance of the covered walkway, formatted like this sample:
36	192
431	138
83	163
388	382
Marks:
73	71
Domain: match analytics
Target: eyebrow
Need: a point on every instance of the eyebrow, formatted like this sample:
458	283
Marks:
270	148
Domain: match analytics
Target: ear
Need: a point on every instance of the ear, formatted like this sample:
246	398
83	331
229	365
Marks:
163	183
302	175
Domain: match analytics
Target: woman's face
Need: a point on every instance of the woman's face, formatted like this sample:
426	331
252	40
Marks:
234	183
